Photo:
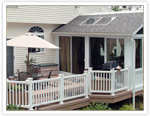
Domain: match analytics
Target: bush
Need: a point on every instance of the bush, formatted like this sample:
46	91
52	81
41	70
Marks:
13	107
126	107
96	106
141	106
11	86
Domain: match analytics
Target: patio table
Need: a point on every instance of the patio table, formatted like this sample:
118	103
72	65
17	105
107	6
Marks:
36	76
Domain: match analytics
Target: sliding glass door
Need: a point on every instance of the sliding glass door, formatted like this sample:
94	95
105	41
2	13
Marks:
71	54
96	52
64	54
78	55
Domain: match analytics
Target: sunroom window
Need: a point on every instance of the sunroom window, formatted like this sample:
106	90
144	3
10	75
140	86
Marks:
115	50
40	33
138	55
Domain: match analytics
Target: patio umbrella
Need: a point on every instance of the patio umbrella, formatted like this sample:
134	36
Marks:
30	40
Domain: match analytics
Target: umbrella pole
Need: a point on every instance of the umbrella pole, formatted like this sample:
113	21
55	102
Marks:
28	59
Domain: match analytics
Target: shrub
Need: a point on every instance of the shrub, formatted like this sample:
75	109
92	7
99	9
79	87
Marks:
15	88
97	106
141	106
13	107
126	107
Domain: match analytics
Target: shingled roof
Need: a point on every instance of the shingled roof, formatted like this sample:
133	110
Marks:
123	23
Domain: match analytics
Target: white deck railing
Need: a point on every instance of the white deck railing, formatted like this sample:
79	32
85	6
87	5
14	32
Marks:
41	92
29	93
108	81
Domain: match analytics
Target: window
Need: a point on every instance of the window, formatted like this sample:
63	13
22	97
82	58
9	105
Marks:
124	6
90	21
98	21
138	55
140	31
115	50
40	33
104	20
97	52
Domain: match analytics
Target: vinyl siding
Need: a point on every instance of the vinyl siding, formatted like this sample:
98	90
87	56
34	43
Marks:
49	14
16	29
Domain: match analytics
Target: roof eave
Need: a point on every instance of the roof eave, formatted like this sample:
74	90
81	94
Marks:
101	34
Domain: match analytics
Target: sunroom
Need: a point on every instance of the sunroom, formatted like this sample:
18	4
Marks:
103	42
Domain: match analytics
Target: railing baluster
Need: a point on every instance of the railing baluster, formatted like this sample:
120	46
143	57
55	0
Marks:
98	81
53	89
106	82
10	93
46	90
25	95
109	81
41	92
13	92
22	95
16	94
19	94
101	80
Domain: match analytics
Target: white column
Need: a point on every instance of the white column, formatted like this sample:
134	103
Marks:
29	81
86	59
89	77
86	84
112	81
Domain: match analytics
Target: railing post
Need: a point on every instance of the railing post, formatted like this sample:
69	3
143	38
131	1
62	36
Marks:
113	81
29	81
61	88
128	76
89	78
86	84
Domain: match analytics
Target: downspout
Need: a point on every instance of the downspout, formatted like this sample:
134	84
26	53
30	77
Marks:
133	72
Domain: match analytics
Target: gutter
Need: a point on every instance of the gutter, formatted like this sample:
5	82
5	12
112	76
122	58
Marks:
104	34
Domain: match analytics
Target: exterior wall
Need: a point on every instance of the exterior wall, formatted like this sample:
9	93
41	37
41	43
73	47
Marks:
16	29
49	14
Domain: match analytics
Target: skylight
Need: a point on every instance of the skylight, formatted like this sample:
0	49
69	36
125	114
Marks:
98	21
90	21
104	20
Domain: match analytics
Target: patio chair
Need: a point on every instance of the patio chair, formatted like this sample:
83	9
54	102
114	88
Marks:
50	73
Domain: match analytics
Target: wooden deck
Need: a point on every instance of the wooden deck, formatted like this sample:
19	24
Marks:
81	102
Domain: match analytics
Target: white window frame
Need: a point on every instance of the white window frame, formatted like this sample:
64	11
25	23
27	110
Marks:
38	34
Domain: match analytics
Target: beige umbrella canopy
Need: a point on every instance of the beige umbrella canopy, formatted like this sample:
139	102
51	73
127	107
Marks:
30	40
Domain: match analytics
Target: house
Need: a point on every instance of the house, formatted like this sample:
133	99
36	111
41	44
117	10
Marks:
86	40
131	8
41	20
94	39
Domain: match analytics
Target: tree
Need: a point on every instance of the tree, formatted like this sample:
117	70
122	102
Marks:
115	8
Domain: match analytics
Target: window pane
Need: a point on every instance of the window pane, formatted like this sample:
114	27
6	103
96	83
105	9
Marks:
96	53
138	47
35	50
104	20
64	53
115	50
90	21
